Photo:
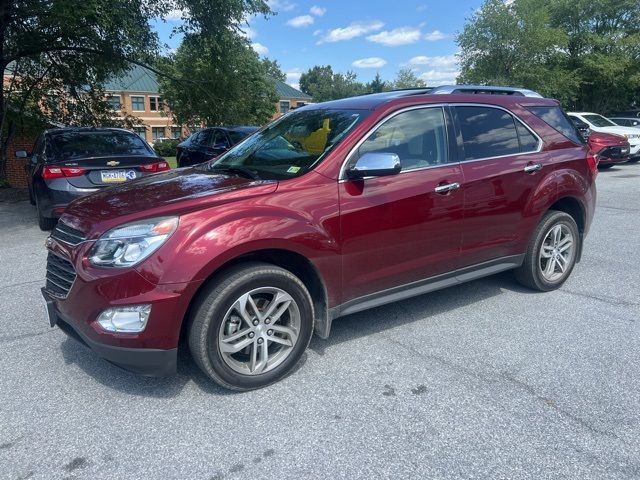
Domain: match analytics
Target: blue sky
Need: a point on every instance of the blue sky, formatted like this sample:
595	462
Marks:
363	36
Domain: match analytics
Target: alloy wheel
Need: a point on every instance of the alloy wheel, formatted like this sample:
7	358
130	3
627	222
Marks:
259	330
556	253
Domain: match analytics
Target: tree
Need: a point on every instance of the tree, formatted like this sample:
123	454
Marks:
585	53
323	84
68	49
376	85
406	78
228	82
273	69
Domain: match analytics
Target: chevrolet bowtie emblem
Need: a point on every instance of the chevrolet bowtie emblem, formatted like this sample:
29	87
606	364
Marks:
113	163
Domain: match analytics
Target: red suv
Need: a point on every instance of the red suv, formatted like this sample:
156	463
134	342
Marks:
332	209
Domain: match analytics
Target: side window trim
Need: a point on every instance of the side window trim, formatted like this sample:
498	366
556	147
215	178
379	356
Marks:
460	143
452	155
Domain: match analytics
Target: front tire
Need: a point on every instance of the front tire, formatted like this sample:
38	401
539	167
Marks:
634	160
251	327
605	167
552	253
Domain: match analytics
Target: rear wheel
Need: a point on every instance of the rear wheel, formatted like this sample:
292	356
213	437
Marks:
251	327
552	253
605	167
45	223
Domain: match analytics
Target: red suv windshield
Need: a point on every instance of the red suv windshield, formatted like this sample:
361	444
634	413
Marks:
292	145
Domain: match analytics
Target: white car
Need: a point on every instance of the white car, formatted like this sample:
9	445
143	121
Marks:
597	123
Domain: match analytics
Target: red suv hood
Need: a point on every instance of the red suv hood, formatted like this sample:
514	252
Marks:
598	140
170	193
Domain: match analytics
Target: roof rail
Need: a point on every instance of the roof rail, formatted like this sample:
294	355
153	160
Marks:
484	90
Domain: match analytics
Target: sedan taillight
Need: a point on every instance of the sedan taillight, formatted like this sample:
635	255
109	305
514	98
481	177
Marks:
155	167
50	173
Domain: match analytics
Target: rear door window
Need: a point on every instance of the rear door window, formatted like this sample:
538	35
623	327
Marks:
556	118
528	141
487	132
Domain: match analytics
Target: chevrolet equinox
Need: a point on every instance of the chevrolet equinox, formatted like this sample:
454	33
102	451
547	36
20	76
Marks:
332	209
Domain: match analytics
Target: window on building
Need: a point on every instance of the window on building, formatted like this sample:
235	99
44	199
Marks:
418	137
155	104
114	102
157	132
487	132
142	131
176	132
137	103
284	106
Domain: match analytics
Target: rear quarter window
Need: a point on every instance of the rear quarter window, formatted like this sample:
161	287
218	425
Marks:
556	118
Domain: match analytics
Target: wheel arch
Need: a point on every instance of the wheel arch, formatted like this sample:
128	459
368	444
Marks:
289	260
573	207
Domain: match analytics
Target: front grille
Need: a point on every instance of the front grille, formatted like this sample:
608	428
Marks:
67	234
60	276
615	152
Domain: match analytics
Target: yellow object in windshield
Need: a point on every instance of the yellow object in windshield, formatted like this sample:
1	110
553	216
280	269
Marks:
316	142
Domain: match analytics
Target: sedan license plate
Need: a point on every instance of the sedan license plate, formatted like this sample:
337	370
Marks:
117	176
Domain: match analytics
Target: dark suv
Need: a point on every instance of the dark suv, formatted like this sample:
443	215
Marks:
332	209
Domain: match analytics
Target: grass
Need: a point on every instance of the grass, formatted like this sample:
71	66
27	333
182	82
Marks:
172	161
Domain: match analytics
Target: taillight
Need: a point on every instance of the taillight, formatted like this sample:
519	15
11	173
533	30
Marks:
155	167
592	161
50	173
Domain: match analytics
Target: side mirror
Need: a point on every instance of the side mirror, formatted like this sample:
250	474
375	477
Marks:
375	164
21	154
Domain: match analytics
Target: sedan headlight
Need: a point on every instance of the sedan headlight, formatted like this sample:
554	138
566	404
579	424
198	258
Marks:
131	243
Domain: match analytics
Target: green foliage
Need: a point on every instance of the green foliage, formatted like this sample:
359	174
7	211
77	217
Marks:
216	81
406	78
586	53
166	148
377	85
273	69
323	84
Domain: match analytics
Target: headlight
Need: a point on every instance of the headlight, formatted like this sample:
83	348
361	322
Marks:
131	243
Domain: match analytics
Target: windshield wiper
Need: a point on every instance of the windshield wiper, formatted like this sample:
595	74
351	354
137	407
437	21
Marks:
245	172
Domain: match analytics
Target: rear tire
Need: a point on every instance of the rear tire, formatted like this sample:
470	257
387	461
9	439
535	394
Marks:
260	346
634	160
45	223
552	253
605	167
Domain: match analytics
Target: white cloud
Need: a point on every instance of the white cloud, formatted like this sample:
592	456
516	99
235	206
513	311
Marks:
301	21
259	48
397	36
434	36
317	11
176	15
317	32
248	32
421	8
355	29
371	62
281	5
443	61
440	77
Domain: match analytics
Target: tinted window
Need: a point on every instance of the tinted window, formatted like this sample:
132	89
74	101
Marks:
220	139
97	144
205	138
237	136
487	132
292	145
528	141
555	117
418	137
599	121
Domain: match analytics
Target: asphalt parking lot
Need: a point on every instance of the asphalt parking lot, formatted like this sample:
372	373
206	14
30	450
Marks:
484	380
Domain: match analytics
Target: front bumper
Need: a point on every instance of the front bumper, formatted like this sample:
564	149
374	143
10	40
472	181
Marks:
145	361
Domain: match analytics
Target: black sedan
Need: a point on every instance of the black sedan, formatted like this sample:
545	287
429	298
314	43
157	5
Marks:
209	143
68	163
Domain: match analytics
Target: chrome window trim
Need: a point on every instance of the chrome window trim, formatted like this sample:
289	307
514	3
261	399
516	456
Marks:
343	178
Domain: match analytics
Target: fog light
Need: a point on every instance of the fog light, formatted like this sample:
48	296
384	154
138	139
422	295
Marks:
129	319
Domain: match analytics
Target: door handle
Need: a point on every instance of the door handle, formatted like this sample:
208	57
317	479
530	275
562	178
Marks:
532	167
446	188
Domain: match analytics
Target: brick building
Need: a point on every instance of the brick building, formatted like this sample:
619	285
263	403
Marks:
136	93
